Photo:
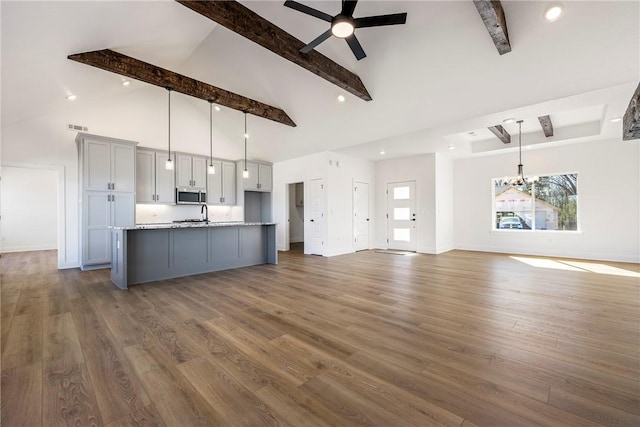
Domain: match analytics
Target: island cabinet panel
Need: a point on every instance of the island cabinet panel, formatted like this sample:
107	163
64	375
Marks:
151	248
224	246
253	244
146	255
189	250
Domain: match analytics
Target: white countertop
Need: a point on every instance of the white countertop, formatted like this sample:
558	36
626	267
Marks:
163	225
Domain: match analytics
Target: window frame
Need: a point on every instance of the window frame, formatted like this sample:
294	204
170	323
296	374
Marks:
494	227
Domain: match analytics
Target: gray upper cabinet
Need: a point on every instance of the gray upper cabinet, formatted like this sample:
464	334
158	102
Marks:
221	187
191	172
107	165
154	183
260	176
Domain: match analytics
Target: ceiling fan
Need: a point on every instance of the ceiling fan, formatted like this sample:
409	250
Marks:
344	24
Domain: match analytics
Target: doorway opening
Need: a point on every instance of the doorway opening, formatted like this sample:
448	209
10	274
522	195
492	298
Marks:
296	217
29	209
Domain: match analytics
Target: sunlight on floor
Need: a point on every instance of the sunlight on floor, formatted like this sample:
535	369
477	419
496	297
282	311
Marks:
591	267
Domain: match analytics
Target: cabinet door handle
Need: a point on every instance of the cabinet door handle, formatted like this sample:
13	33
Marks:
113	185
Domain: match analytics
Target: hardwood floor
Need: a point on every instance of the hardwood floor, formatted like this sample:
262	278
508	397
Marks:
458	339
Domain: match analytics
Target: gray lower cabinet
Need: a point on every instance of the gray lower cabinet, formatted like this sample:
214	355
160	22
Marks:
100	211
146	255
221	186
154	183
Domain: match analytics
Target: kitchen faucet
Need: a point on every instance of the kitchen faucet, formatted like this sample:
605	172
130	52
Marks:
205	209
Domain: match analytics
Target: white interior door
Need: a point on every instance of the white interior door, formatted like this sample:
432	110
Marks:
315	243
361	215
401	214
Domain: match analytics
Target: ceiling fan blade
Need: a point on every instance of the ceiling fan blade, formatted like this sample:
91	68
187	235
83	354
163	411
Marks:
308	10
348	6
322	37
379	21
356	47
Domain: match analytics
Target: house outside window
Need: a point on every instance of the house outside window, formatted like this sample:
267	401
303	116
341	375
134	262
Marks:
548	203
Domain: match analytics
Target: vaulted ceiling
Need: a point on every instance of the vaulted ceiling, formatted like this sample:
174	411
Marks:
433	80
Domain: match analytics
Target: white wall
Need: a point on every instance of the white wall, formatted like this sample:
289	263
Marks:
608	202
29	209
444	210
338	171
420	169
343	171
302	169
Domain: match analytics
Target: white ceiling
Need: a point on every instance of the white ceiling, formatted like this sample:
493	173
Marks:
432	80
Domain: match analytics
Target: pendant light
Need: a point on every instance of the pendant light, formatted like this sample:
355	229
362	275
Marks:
245	172
169	164
519	179
211	170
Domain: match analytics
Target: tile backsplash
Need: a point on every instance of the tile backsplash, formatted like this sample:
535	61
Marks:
168	213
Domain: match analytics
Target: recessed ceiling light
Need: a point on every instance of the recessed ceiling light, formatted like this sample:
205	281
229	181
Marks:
126	83
553	12
452	147
382	152
217	108
71	97
509	120
616	119
341	98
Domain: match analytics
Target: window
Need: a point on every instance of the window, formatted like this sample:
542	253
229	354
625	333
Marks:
548	203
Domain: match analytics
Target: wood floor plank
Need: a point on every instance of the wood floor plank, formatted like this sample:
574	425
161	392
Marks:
21	394
236	404
147	417
24	341
458	339
118	390
175	398
61	339
68	396
591	409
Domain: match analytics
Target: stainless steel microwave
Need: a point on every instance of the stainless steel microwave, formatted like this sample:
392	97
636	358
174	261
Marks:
190	197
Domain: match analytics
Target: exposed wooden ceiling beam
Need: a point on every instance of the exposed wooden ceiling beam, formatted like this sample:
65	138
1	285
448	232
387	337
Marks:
131	67
631	119
547	126
493	17
249	24
501	133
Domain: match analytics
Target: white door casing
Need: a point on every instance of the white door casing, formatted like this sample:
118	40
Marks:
401	216
315	243
361	215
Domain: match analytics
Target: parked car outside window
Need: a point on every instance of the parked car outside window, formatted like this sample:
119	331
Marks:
510	222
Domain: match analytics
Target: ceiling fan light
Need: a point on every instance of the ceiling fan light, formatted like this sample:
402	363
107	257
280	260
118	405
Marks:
342	27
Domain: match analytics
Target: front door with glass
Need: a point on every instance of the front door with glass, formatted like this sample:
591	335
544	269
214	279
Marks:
401	214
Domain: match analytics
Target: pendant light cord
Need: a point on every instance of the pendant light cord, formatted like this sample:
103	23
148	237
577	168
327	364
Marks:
211	133
169	121
520	139
245	140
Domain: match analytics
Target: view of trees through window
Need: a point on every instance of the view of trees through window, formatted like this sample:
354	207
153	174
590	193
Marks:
546	203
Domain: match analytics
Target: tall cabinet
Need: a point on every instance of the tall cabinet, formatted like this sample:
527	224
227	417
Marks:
107	182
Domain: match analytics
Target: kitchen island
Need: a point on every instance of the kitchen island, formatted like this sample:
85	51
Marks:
150	252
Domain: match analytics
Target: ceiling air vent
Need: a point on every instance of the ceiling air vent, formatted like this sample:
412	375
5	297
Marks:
77	128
